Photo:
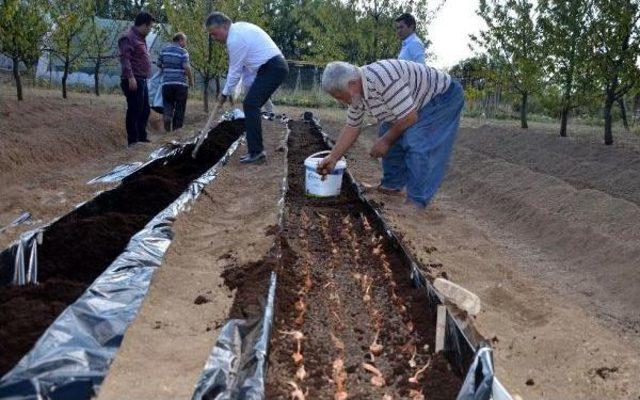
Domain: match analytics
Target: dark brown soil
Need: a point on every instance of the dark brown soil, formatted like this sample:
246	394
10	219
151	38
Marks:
77	248
342	286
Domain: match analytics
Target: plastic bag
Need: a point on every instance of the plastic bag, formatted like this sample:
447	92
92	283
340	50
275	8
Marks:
155	92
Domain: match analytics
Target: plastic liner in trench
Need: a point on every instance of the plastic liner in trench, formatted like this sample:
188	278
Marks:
237	365
89	261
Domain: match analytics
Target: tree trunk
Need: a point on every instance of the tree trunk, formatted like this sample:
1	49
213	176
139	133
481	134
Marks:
623	113
205	92
217	79
636	106
608	105
65	75
16	76
563	121
96	77
523	111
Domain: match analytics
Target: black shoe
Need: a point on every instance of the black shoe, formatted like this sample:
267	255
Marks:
144	141
250	159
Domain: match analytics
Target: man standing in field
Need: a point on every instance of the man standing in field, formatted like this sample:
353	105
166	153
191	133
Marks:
136	69
419	110
174	62
412	47
250	48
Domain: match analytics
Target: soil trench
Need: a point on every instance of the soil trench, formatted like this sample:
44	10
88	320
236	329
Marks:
77	248
348	321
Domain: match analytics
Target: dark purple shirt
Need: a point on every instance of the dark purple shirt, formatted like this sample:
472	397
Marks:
134	55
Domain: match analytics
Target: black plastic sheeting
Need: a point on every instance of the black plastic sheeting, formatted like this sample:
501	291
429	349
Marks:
478	384
72	357
237	366
230	373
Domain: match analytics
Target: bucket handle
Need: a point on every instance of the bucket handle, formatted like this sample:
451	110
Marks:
318	153
323	152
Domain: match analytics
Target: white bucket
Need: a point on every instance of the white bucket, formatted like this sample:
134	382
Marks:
315	185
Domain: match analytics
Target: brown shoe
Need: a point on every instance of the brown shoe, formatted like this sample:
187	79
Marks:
381	189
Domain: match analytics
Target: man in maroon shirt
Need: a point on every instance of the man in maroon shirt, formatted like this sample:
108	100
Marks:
136	69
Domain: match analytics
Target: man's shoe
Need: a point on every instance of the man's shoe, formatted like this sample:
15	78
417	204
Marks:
259	157
144	141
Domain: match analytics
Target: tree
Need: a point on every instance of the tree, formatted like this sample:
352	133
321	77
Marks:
69	39
22	28
285	21
617	48
565	27
371	33
128	9
102	47
512	41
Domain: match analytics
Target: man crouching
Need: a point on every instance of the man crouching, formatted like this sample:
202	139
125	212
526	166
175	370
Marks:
418	110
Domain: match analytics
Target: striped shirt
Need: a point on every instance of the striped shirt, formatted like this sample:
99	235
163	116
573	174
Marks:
173	60
394	88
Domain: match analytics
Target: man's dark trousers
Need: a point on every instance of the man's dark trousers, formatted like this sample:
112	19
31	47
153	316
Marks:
269	77
174	99
137	110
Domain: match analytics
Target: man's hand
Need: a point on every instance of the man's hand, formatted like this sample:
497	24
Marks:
380	148
133	84
326	165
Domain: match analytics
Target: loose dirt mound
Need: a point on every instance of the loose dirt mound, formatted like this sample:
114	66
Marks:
576	202
37	132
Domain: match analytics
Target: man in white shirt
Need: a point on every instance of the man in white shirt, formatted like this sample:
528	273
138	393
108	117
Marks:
412	47
249	48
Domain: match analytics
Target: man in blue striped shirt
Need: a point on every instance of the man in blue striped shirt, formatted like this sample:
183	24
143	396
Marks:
174	63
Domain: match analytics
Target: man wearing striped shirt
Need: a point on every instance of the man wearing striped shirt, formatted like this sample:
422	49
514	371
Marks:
418	108
174	63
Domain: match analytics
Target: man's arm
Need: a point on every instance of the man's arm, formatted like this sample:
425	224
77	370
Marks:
189	73
348	136
187	69
383	144
238	50
124	45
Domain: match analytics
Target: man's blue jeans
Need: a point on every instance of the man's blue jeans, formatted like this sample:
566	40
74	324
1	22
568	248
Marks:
419	158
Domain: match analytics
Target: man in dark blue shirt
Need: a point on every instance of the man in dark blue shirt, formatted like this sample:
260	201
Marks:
176	71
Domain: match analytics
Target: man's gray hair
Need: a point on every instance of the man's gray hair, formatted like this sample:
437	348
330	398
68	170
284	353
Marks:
216	19
337	75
